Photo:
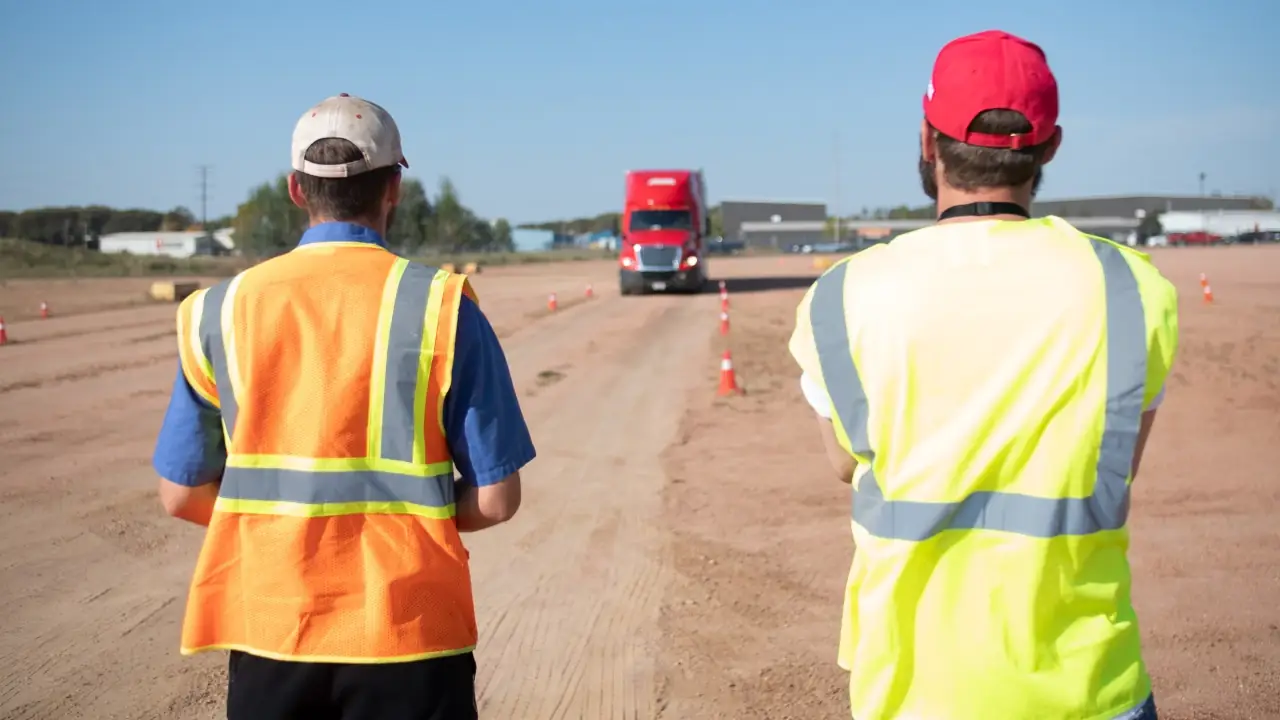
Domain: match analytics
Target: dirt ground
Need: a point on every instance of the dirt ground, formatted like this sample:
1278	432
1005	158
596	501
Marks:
677	555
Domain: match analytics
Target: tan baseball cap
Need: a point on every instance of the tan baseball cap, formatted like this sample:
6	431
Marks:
365	124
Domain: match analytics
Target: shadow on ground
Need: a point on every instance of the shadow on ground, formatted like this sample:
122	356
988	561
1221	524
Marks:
762	284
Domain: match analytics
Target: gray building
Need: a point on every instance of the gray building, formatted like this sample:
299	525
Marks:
782	224
1127	206
793	220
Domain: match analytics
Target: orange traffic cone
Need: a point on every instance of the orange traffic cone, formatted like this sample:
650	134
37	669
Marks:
589	293
728	380
1204	280
724	323
551	302
724	292
724	304
44	309
4	334
1208	294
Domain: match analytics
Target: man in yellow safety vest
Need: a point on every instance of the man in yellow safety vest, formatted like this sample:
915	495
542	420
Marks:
987	385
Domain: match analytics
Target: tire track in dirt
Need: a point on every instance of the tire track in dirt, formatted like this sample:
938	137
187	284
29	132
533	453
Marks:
564	620
86	373
81	332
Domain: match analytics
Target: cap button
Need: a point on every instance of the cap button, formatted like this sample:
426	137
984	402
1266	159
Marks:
343	95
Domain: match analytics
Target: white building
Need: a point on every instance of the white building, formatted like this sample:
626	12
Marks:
1219	222
180	244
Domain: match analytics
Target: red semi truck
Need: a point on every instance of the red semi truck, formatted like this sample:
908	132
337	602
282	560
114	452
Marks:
664	232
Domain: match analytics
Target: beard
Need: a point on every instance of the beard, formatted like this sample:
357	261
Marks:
929	178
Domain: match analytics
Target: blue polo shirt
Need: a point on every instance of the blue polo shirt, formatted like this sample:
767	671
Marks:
484	426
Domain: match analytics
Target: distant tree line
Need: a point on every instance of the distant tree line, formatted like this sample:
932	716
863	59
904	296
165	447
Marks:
268	223
72	226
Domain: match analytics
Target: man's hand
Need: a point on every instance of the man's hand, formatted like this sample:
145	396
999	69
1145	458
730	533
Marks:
193	504
483	507
841	461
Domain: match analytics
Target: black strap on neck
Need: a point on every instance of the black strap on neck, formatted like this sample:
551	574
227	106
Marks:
980	209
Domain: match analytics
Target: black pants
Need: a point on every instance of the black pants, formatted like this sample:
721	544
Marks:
435	689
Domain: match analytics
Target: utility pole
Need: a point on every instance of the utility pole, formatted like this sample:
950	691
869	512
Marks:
1202	176
835	203
204	197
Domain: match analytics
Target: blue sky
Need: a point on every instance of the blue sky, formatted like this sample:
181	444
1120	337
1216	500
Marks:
535	109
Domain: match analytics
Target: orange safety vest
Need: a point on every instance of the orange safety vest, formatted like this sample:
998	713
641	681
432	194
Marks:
333	538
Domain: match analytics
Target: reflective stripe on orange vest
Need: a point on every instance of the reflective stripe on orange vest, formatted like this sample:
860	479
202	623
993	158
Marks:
333	537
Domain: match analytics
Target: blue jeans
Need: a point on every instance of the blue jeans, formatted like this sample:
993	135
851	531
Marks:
1146	712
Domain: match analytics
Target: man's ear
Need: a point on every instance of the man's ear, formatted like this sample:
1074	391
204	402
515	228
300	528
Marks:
295	191
928	142
1054	143
392	198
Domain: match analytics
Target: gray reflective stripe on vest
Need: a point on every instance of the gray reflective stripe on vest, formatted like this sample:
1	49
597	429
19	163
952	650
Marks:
1106	509
214	351
404	356
348	486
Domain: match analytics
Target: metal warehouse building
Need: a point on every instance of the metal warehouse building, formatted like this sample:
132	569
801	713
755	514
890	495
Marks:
1116	216
788	223
1128	205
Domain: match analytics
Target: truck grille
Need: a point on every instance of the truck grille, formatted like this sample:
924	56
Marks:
657	257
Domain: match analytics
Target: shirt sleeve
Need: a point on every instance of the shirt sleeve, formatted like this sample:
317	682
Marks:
484	426
817	397
190	449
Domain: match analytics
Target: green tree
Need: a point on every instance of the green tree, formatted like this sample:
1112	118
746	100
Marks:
716	217
502	240
452	222
412	222
178	218
480	237
268	223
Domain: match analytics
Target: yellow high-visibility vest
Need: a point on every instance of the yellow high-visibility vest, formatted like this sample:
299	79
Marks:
989	378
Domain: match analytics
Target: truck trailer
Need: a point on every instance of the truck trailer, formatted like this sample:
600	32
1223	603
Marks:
665	231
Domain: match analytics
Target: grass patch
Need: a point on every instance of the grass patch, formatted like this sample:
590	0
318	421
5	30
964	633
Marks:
24	259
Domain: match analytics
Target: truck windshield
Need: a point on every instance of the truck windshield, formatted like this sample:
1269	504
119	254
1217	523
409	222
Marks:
660	220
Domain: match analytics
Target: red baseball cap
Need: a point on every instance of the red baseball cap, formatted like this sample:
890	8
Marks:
992	70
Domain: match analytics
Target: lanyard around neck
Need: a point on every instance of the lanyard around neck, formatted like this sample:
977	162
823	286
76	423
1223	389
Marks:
980	209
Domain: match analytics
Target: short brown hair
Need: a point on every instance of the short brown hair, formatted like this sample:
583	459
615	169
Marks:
971	167
349	198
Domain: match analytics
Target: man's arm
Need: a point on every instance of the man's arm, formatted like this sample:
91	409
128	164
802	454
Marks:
841	461
190	455
484	426
1144	432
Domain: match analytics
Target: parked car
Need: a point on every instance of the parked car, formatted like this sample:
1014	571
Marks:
1256	237
720	246
1198	237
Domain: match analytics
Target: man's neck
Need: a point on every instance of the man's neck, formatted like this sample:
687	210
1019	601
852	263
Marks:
379	228
950	197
